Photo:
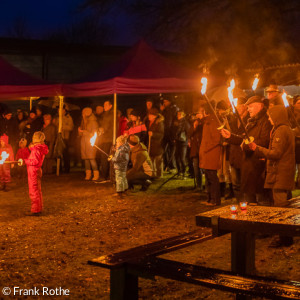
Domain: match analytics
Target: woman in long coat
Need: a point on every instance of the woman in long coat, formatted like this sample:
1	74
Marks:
210	155
87	129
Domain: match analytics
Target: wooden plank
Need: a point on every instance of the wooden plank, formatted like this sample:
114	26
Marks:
218	279
153	249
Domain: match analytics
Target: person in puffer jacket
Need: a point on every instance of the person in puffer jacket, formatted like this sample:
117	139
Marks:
34	170
120	161
142	169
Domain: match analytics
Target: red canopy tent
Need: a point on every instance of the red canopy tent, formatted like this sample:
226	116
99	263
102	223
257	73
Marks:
139	71
15	83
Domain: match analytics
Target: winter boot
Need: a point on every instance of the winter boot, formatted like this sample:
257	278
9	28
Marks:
4	187
230	194
88	174
96	175
222	189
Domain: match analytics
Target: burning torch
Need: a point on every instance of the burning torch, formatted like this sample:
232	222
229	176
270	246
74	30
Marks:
203	92
255	82
93	140
233	102
4	157
287	106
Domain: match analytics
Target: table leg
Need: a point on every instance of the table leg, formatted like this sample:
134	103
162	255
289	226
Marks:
243	253
123	285
242	256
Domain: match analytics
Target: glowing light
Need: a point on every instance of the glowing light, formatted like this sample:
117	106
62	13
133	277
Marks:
255	82
93	139
243	205
285	101
233	101
4	156
204	85
233	209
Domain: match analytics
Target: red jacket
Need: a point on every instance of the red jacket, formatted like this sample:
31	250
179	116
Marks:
37	155
22	153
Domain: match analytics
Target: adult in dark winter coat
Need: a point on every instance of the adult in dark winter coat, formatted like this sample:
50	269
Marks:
106	129
235	151
280	162
170	114
50	131
209	156
67	127
31	125
9	126
280	156
180	132
195	137
142	170
253	167
155	127
87	129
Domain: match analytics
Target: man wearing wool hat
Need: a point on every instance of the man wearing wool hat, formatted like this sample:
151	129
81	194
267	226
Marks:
142	170
253	168
273	95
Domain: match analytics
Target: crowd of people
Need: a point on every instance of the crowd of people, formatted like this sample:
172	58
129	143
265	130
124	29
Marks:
251	157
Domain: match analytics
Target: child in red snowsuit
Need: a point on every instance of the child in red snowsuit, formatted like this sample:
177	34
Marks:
22	153
34	170
5	168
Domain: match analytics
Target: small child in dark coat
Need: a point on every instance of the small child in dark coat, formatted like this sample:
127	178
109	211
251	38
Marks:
120	161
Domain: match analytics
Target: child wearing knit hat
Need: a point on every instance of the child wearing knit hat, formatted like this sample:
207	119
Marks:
5	149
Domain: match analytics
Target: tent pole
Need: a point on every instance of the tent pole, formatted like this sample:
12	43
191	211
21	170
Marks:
61	103
30	103
115	118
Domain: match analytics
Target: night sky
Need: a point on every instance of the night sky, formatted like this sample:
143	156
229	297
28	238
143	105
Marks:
43	16
40	15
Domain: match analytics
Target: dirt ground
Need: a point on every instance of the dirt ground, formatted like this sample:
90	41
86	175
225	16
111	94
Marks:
82	220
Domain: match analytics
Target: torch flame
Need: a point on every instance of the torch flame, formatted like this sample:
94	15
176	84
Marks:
4	156
233	101
93	139
204	85
255	82
285	101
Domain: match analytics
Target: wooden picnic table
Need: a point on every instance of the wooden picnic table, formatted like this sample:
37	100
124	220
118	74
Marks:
243	227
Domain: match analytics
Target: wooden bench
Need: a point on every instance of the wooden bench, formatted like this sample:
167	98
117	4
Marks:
127	266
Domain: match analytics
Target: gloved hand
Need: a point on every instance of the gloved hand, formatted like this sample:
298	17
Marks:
110	158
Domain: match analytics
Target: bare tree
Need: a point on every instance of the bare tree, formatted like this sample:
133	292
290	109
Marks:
19	29
233	33
88	30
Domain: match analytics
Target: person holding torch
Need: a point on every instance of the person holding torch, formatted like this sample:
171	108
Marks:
280	157
253	168
6	153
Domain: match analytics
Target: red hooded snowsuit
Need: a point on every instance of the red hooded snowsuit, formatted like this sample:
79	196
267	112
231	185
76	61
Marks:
5	168
34	170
